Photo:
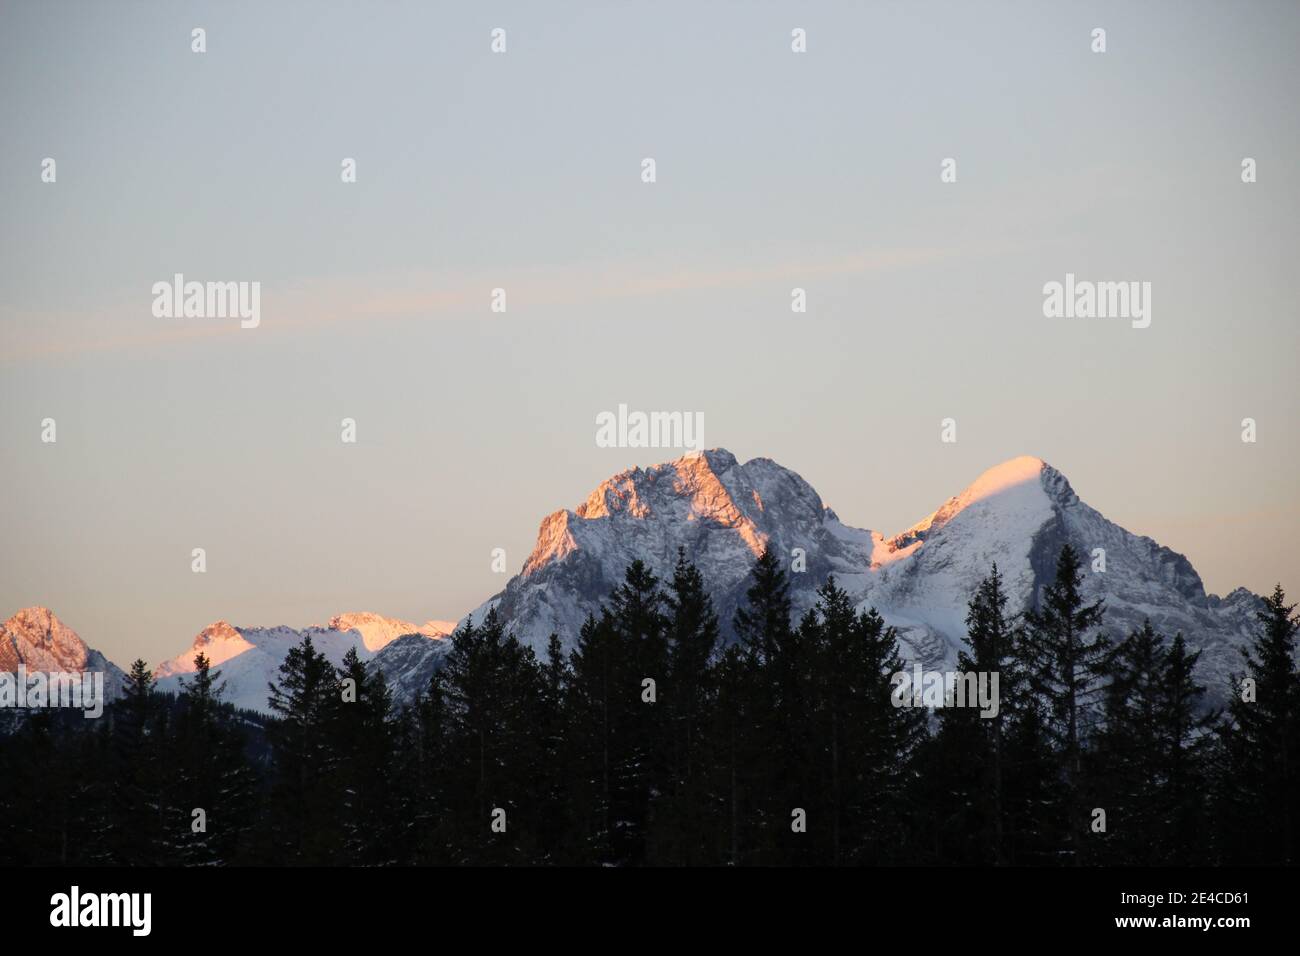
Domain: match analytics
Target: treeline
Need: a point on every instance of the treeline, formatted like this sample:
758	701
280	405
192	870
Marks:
652	743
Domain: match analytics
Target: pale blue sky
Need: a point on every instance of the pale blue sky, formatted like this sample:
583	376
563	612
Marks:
521	170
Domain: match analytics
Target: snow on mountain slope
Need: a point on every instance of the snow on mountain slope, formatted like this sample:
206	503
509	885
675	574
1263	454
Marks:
1019	514
409	662
249	658
722	513
37	639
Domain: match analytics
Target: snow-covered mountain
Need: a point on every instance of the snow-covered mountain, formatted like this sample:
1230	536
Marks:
1019	514
249	658
36	638
722	512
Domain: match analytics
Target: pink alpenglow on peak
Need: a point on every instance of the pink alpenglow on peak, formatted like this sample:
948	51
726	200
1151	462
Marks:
378	631
36	637
219	642
1016	485
37	640
250	657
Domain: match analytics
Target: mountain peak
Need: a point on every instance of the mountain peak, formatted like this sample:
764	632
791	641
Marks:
1016	486
1013	471
377	631
219	642
41	628
37	618
707	487
36	638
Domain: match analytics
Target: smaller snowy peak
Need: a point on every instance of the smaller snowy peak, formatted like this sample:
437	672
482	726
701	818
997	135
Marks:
249	658
378	631
219	642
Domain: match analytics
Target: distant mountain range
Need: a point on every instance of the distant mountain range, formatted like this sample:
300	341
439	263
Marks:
723	513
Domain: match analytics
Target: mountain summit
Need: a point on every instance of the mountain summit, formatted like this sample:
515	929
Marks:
38	640
722	514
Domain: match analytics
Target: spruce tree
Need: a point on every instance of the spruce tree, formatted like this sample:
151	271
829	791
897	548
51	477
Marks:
777	672
1187	729
626	759
556	733
595	704
362	739
1257	794
491	689
210	774
869	744
136	734
304	802
1130	750
1067	667
683	812
968	759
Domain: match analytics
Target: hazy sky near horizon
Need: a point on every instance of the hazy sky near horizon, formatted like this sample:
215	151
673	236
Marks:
522	170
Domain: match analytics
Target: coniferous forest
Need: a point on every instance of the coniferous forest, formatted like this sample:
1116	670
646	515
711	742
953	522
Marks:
651	743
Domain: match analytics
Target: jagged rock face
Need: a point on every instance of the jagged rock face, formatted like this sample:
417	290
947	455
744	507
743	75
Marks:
719	511
38	640
722	513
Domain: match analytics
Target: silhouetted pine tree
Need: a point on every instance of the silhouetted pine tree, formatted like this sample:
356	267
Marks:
1257	797
734	788
626	735
304	816
867	745
1189	742
595	706
1148	760
968	762
362	735
492	692
136	729
774	747
555	732
763	623
1122	767
209	772
1067	668
684	820
428	785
